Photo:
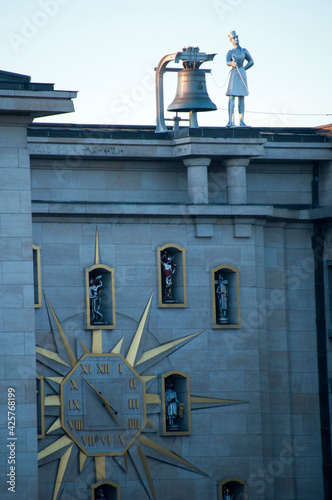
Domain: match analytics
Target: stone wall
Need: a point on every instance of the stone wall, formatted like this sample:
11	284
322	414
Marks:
270	362
17	321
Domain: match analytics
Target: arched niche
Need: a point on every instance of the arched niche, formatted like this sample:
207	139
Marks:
172	276
237	489
100	297
226	297
179	383
110	490
37	276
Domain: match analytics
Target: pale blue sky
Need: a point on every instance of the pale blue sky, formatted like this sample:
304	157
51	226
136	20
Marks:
107	50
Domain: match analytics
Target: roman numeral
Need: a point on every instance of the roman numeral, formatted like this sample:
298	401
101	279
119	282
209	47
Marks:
90	440
77	423
132	383
86	368
133	423
103	368
122	438
74	385
133	404
106	439
74	404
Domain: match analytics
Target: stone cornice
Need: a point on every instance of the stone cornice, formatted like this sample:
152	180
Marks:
79	209
145	149
89	142
35	103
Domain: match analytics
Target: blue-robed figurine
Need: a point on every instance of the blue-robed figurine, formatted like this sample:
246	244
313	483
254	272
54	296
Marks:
237	86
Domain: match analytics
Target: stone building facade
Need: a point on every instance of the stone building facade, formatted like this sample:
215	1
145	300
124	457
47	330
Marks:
250	205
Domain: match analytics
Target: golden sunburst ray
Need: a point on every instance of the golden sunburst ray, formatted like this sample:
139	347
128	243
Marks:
160	352
122	461
150	424
97	341
59	344
201	402
52	400
69	351
54	447
147	378
51	355
55	426
54	361
100	463
168	456
84	348
147	470
118	347
48	315
134	346
152	399
57	380
142	467
82	460
61	471
54	383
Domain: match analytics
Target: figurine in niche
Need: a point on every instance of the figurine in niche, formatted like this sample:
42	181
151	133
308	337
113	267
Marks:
228	496
169	270
222	295
172	405
95	300
237	85
100	494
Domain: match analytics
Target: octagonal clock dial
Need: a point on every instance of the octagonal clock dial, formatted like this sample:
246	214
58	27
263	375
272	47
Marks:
103	404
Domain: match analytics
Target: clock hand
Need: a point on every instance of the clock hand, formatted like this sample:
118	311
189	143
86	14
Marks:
107	405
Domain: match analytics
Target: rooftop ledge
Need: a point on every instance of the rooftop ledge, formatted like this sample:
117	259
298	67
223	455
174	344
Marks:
117	142
178	210
271	134
20	96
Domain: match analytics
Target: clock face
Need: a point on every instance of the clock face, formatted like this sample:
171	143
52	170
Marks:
103	404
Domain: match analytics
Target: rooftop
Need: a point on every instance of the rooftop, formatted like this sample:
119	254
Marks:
143	132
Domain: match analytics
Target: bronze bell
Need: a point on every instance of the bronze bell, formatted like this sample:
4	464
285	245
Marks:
191	93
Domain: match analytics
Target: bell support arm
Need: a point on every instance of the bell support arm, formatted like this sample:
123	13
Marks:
160	70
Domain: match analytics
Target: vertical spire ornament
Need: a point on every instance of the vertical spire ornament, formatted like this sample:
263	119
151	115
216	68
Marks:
97	248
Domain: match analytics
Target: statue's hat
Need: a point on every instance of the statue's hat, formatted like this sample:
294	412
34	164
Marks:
232	34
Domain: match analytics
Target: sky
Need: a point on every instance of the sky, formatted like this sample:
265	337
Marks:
107	51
